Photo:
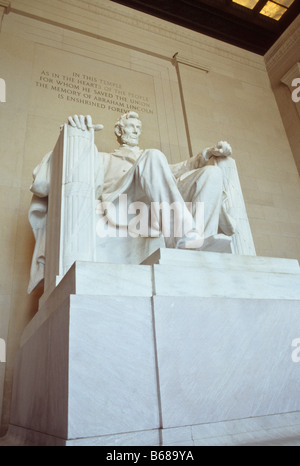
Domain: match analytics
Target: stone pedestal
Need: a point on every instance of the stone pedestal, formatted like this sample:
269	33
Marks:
189	348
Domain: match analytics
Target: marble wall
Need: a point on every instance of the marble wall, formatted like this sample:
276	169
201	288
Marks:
96	57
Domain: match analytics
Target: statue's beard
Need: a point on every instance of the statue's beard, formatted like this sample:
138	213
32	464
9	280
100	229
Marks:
130	140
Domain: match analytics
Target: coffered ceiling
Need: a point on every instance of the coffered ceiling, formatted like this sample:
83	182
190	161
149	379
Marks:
250	24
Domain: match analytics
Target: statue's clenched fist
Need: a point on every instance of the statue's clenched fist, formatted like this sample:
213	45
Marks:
222	149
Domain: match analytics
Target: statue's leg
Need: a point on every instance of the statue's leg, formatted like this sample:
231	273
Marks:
154	180
204	185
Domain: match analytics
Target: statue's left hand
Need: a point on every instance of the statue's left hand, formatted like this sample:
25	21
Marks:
222	149
83	122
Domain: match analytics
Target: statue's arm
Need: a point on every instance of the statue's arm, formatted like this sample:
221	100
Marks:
221	149
180	168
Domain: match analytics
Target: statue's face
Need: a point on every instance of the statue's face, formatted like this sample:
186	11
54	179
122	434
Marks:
131	131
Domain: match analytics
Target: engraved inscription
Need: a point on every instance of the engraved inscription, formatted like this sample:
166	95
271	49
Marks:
93	91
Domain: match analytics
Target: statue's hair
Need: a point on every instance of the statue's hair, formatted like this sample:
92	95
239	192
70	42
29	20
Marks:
125	116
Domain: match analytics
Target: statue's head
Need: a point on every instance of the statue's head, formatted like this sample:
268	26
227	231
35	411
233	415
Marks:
128	129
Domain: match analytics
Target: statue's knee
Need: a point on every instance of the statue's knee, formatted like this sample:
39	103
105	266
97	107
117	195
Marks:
155	156
213	172
210	175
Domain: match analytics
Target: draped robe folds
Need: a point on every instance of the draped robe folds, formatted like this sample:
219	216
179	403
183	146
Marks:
114	175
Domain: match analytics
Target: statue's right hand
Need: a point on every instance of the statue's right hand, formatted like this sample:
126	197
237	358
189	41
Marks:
83	122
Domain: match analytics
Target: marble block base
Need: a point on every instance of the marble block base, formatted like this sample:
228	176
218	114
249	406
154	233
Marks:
276	430
89	370
159	360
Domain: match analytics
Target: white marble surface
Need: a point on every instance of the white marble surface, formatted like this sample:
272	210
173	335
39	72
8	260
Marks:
274	430
179	273
214	260
126	250
18	436
221	350
93	278
89	370
223	359
40	384
210	282
280	429
112	372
